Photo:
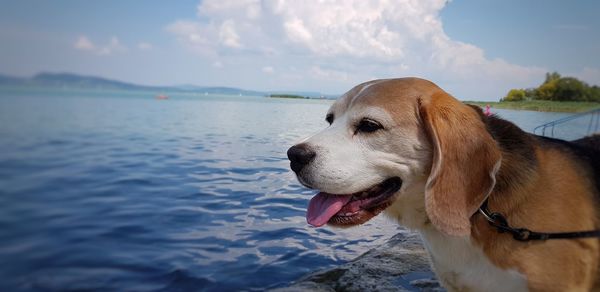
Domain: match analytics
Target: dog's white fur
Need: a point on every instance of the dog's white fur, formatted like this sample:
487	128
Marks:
349	162
462	266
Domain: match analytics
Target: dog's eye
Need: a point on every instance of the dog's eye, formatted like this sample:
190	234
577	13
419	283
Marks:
368	126
329	118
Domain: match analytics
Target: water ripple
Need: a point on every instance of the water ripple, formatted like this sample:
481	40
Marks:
133	194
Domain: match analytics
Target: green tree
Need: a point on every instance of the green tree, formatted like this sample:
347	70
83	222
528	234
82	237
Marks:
529	93
558	88
570	89
551	77
547	90
594	94
515	95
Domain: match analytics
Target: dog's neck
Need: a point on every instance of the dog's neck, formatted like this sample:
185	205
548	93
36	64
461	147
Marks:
519	162
455	257
409	209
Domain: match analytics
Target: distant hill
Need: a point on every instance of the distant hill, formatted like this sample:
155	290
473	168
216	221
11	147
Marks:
75	81
78	81
10	80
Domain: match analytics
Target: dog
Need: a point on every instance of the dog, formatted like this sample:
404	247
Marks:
408	149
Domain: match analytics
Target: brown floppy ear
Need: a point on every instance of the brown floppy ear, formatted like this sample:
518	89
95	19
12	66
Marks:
465	161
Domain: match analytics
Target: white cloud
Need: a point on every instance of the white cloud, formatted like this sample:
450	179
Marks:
193	35
297	32
144	46
84	44
328	74
113	46
338	43
228	35
268	69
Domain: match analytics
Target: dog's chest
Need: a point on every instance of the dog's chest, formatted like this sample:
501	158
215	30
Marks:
461	266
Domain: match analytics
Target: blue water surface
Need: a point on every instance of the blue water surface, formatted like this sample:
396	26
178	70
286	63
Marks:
119	191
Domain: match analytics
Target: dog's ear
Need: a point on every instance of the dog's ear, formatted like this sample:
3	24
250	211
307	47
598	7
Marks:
465	161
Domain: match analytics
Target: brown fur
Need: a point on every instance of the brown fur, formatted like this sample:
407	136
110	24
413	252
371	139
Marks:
458	183
543	184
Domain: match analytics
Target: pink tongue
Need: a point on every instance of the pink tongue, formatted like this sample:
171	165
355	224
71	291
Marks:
323	206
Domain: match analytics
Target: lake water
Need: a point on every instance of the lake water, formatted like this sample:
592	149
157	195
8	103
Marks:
118	191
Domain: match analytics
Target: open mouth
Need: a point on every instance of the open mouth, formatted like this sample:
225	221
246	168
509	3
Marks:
351	209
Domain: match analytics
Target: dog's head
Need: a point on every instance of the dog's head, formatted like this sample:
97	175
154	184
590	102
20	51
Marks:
391	143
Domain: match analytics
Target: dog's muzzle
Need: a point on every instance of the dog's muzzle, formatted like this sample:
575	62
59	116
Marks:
300	155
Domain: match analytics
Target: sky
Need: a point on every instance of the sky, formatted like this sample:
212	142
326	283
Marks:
474	49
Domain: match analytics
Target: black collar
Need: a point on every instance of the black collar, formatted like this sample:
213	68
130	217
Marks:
498	221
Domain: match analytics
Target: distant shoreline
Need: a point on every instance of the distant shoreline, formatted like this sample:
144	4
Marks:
287	96
295	96
540	105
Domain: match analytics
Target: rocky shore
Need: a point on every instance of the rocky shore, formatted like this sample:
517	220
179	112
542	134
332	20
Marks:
401	264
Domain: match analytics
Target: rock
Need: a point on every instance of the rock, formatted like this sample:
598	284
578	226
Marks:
401	264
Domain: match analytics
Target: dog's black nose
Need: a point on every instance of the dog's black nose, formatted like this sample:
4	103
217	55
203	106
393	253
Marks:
300	155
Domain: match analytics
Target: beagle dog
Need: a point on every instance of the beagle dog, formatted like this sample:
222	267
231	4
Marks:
408	149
